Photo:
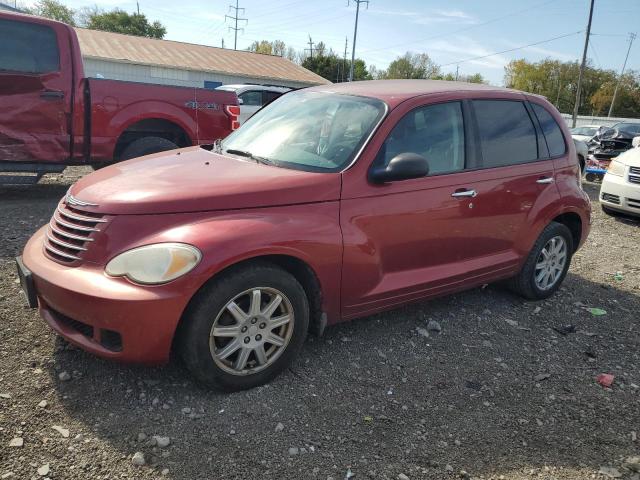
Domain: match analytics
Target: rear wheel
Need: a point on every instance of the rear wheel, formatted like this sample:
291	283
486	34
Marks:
146	146
546	265
245	327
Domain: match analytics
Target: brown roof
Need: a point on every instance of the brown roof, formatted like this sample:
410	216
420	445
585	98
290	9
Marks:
188	56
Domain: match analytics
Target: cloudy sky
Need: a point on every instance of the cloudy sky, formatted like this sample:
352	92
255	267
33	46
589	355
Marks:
452	32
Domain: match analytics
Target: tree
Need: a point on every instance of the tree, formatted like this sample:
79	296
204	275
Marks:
54	10
119	21
277	47
558	81
412	65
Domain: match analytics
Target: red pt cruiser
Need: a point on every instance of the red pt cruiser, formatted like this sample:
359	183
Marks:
331	203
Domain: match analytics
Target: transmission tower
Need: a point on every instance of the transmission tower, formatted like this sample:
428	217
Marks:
355	33
311	43
236	19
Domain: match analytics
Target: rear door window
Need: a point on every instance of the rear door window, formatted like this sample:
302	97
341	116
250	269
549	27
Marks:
251	98
268	97
28	48
507	134
551	130
435	131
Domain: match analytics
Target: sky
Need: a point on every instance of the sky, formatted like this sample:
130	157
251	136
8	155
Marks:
451	32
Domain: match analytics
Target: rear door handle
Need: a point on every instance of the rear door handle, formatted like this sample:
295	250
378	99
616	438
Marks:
52	94
464	193
544	180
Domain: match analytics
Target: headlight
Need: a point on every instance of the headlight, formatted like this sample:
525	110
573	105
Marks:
155	264
616	168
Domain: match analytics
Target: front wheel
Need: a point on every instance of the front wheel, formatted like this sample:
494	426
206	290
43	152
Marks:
245	327
546	265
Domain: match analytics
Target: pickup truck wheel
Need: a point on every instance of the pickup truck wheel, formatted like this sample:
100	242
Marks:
245	327
546	265
146	146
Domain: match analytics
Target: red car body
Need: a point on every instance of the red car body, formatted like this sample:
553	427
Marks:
58	117
370	247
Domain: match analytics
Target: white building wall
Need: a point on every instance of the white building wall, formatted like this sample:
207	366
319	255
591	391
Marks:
166	76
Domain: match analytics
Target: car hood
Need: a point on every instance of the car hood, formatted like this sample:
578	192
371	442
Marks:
194	179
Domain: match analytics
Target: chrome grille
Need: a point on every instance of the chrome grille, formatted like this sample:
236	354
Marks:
634	174
70	233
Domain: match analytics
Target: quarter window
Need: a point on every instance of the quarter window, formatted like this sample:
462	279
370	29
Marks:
436	132
551	130
28	48
251	98
507	134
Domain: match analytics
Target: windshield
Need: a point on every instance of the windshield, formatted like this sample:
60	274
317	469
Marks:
628	127
311	131
587	131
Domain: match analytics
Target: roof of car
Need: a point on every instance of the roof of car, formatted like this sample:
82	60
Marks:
396	91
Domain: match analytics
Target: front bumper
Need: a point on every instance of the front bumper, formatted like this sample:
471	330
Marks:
618	194
109	317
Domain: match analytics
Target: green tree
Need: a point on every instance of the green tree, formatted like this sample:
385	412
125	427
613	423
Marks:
277	47
119	21
54	10
412	65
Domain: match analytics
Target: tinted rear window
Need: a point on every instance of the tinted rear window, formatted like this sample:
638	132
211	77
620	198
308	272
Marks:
551	130
507	134
28	48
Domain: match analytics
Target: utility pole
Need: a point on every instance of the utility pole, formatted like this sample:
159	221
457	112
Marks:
310	43
632	37
237	19
582	65
355	33
344	59
138	5
222	42
457	70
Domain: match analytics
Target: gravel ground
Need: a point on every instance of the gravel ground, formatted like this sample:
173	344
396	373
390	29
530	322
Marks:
498	393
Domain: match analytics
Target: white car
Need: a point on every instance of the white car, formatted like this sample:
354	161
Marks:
620	191
584	133
253	97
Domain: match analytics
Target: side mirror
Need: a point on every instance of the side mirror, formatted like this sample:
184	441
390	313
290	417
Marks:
401	167
240	101
636	142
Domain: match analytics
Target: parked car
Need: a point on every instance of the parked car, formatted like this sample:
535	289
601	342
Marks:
607	145
253	97
585	133
620	191
52	116
332	203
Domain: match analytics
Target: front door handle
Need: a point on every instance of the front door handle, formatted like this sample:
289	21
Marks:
52	94
545	180
464	193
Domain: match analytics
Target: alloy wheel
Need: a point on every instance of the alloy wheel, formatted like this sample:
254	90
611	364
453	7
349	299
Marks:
251	331
551	263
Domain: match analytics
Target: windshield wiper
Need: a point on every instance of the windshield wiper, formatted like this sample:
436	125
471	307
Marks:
244	153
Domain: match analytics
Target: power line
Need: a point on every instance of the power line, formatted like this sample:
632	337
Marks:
582	65
236	19
511	49
632	37
355	34
460	30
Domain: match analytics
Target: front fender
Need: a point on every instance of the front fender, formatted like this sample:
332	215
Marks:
310	233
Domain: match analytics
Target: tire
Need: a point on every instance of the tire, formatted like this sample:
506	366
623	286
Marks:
581	163
591	177
525	283
146	146
198	345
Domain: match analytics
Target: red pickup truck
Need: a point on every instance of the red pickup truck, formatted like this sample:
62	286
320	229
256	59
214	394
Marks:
52	116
